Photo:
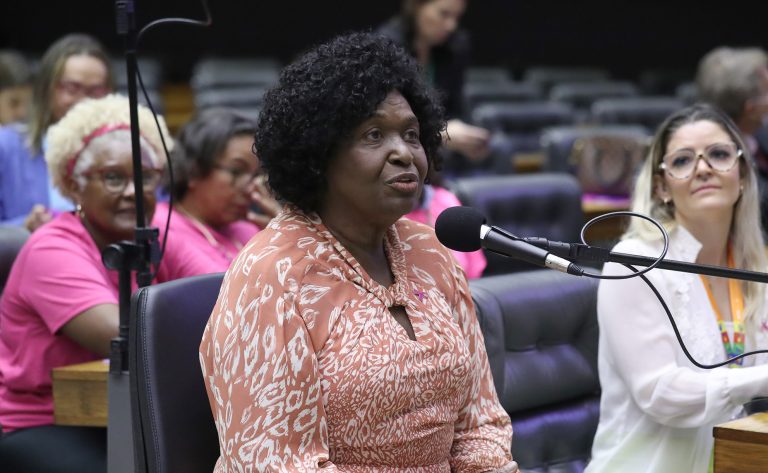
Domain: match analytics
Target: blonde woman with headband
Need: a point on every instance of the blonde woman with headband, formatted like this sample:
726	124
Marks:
60	305
658	409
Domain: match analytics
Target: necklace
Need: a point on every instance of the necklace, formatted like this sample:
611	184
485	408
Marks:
736	296
210	237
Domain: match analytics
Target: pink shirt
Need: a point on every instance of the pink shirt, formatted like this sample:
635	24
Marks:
57	275
440	199
213	248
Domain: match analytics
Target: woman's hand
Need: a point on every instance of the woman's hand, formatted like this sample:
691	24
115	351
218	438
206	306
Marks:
37	217
471	141
262	198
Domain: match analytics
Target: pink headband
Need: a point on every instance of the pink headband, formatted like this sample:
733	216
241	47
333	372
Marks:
93	135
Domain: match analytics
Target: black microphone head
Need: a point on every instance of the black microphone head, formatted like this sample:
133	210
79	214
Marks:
458	228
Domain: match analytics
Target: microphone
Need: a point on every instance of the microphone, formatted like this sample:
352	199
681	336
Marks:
463	229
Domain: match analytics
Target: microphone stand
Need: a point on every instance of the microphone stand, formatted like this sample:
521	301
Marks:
590	254
127	257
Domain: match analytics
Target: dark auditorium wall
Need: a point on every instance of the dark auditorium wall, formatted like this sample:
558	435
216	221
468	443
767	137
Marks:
624	36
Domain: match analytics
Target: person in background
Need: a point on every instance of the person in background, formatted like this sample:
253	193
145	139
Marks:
434	199
344	337
658	409
15	87
220	198
60	303
736	81
429	30
74	67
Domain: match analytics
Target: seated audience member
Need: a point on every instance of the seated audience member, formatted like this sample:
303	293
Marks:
658	409
60	304
435	199
217	181
344	337
74	67
15	87
429	30
736	81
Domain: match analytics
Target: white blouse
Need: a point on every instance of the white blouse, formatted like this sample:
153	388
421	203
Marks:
657	409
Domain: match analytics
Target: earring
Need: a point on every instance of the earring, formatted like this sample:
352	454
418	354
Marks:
667	200
79	211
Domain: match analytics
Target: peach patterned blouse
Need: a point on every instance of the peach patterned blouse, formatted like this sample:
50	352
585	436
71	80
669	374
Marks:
307	370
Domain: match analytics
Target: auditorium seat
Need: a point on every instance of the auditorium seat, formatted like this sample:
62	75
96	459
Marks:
516	128
663	81
529	205
479	93
220	72
12	238
581	95
541	334
548	76
687	92
173	426
646	110
605	158
477	74
239	97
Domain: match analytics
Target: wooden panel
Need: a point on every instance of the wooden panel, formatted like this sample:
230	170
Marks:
80	394
741	446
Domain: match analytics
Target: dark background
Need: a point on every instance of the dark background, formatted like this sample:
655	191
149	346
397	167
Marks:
626	37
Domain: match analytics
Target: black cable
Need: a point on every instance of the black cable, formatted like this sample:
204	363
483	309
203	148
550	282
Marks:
641	274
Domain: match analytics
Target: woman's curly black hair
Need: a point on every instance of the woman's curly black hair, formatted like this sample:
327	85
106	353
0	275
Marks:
322	97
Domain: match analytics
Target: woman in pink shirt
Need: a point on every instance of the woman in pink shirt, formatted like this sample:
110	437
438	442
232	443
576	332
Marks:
60	304
217	186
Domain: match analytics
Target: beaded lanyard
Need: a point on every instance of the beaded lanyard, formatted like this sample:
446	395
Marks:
737	313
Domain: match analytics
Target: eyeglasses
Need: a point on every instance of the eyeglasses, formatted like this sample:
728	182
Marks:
721	157
72	87
240	177
115	181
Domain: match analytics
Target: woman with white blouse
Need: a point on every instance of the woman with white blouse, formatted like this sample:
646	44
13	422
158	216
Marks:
658	409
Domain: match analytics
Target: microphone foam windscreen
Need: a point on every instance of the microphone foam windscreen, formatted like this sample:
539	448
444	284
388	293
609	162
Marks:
458	228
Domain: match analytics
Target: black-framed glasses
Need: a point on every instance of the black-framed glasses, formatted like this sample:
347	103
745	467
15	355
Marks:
721	157
240	177
115	180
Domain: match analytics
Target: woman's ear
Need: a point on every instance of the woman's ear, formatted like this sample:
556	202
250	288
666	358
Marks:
72	188
660	189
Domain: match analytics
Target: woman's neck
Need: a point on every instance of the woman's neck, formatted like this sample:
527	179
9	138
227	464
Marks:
190	207
713	235
422	48
365	243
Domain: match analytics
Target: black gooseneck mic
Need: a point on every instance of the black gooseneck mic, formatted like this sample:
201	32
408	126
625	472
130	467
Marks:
463	229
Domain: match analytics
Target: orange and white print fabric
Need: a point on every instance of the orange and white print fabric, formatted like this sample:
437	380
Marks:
307	370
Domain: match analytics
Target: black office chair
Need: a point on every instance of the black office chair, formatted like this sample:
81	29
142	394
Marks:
12	238
529	205
173	426
645	111
541	335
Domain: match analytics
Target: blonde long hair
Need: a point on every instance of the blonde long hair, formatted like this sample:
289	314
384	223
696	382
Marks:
745	233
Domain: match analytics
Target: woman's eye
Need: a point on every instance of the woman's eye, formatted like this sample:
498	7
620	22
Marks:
373	135
412	135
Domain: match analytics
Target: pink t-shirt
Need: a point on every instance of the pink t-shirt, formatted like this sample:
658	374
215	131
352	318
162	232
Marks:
215	255
439	199
57	275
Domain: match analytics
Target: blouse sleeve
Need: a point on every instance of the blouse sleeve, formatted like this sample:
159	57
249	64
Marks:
482	437
637	339
262	378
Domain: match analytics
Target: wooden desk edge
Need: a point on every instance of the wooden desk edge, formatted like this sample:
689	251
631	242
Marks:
750	429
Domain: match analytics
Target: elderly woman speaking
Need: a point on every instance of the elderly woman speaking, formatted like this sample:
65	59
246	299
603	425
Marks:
344	337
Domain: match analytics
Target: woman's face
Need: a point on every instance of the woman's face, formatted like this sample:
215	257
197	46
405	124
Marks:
706	191
223	196
436	20
377	174
82	76
108	197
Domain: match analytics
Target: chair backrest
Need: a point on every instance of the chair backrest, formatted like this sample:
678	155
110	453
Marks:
218	72
12	238
582	94
645	111
541	335
172	421
548	76
479	93
542	204
605	158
